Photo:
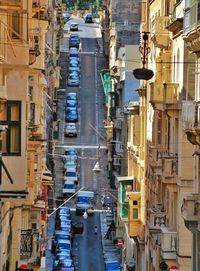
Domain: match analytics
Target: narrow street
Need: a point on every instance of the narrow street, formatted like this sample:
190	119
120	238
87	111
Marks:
91	134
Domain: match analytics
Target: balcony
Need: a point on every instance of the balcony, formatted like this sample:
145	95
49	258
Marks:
3	93
168	244
125	185
29	244
191	124
191	211
170	169
39	4
34	46
176	23
165	95
5	3
134	215
191	26
160	34
154	159
156	218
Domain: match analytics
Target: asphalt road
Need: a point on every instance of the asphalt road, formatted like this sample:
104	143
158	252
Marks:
87	248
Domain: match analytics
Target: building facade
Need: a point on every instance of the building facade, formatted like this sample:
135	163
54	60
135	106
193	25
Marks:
24	93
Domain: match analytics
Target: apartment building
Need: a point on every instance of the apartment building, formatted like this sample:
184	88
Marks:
158	204
25	178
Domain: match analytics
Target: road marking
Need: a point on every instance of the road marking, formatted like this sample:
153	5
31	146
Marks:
82	146
95	210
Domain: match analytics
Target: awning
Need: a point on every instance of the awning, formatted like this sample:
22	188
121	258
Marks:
125	178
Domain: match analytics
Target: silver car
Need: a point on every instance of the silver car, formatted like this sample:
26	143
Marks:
70	129
73	80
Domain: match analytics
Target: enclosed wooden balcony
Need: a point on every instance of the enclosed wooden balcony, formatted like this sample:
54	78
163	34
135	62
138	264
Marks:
134	215
191	211
160	34
165	95
125	185
191	121
168	243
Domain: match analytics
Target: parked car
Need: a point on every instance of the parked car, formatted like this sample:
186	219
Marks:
88	18
74	67
74	41
73	51
71	115
69	163
73	80
70	151
69	187
71	174
74	58
73	26
72	96
70	129
76	73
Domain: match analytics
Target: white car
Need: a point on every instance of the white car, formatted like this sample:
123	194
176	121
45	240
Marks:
73	26
70	129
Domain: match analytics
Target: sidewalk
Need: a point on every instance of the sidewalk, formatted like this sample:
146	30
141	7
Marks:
111	252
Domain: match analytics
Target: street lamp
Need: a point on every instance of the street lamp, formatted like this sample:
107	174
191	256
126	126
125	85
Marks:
144	73
85	215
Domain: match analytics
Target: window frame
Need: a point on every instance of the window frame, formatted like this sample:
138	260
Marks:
10	123
13	36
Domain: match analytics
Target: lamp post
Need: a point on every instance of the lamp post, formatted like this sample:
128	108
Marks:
144	73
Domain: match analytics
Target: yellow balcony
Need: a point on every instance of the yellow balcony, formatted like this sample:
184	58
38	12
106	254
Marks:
160	34
164	94
191	211
135	226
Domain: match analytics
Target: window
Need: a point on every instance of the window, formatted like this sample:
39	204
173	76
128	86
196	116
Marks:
15	25
135	209
10	115
135	213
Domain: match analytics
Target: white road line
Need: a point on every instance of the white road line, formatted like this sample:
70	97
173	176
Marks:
82	146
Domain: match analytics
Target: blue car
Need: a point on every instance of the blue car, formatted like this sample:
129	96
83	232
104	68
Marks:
71	115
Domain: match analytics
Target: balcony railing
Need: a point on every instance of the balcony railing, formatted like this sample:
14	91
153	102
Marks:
29	244
170	167
166	94
190	115
168	243
154	158
156	218
42	4
16	3
160	34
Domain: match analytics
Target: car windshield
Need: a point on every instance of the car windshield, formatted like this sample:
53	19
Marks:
73	76
70	174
